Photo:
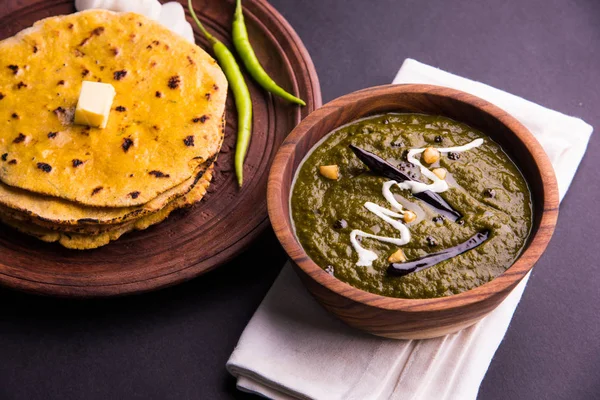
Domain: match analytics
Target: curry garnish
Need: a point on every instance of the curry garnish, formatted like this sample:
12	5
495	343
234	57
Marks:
381	167
405	268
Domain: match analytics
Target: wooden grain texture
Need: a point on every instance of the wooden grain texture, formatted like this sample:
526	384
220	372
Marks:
190	242
408	318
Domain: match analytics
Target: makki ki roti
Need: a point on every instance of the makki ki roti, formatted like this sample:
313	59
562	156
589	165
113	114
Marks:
78	241
56	213
165	119
62	215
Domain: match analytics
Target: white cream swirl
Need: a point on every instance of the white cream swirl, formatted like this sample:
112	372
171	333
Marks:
438	185
365	256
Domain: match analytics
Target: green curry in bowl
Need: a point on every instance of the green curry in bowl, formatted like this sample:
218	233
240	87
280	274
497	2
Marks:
411	206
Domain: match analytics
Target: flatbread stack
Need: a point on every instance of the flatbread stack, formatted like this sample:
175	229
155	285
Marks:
82	186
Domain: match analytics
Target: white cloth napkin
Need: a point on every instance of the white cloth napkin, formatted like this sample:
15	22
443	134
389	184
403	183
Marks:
292	348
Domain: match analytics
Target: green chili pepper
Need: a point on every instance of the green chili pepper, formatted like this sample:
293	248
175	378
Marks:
246	52
241	94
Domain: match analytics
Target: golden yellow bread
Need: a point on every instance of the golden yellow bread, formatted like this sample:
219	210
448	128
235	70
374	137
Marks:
59	214
56	213
79	241
165	119
91	220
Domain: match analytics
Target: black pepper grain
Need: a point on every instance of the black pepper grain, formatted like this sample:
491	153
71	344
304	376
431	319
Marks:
438	139
453	156
340	224
76	163
491	193
52	135
15	116
134	195
14	69
120	109
97	190
158	94
431	241
403	166
4	156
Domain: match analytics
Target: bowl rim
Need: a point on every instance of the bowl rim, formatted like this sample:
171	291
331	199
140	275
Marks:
503	283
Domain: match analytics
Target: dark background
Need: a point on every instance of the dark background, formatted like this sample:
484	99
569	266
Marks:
173	344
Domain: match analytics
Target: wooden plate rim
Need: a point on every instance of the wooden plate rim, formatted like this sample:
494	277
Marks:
275	26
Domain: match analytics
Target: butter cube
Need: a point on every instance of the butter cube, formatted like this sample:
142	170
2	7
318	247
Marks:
95	101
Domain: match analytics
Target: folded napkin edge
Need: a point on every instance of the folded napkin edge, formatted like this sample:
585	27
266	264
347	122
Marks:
411	65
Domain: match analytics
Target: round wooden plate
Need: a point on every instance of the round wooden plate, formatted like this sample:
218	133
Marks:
192	242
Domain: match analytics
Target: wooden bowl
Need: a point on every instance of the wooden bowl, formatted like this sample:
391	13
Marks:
413	318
